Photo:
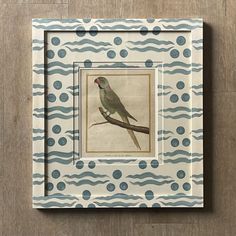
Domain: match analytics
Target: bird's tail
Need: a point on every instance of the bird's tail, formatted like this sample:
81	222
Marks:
131	132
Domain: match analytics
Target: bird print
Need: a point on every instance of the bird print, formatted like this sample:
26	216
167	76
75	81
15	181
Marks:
112	103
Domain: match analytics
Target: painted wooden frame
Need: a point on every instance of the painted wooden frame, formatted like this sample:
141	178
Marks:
173	48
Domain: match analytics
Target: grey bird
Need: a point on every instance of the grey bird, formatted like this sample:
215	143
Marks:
111	102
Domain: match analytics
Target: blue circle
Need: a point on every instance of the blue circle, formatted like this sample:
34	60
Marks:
56	174
185	97
79	164
186	142
180	85
80	31
55	41
181	40
64	97
117	40
149	63
156	30
117	174
91	164
50	54
57	84
143	205
174	98
123	186
180	174
174	53
56	129
154	163
111	54
156	205
174	186
61	186
150	20
110	187
87	63
93	31
86	20
143	30
123	53
180	130
174	142
91	205
50	141
49	186
149	195
187	52
61	53
142	164
62	141
78	206
51	97
86	195
186	186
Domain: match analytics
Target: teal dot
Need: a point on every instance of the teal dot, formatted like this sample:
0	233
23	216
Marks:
186	142
86	195
93	31
56	174
91	164
80	31
149	195
143	30
174	186
110	187
174	53
78	206
156	30
174	98
154	163
150	20
86	20
180	130
180	85
148	63
91	205
56	129
79	164
156	205
49	186
50	141
64	97
181	40
117	40
111	54
117	174
143	205
61	53
57	84
62	141
186	186
87	64
50	54
142	164
187	52
61	186
55	41
123	53
174	142
123	186
185	97
51	97
180	174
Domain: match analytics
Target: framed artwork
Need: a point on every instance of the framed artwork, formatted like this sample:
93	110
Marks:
117	113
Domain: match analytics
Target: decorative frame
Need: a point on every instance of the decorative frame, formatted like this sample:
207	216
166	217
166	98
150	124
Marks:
174	48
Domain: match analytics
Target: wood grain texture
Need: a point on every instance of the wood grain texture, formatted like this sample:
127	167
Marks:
16	215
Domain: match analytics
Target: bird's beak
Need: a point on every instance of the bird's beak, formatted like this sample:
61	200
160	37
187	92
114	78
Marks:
96	81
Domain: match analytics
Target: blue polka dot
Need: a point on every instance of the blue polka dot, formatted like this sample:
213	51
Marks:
174	186
50	54
142	164
86	195
56	174
174	53
156	205
91	164
180	130
93	31
185	97
86	20
78	206
143	205
62	141
174	98
181	40
64	97
61	186
61	53
187	52
55	41
80	31
87	64
186	142
149	195
150	20
51	97
56	129
79	164
91	205
123	53
49	186
117	40
180	85
174	142
154	163
110	187
57	85
148	63
50	141
186	186
180	174
156	30
123	186
117	174
143	30
111	54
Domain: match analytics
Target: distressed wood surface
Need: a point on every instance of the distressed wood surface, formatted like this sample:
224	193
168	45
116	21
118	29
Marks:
16	215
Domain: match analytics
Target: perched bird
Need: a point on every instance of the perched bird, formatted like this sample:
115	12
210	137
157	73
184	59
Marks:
111	102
